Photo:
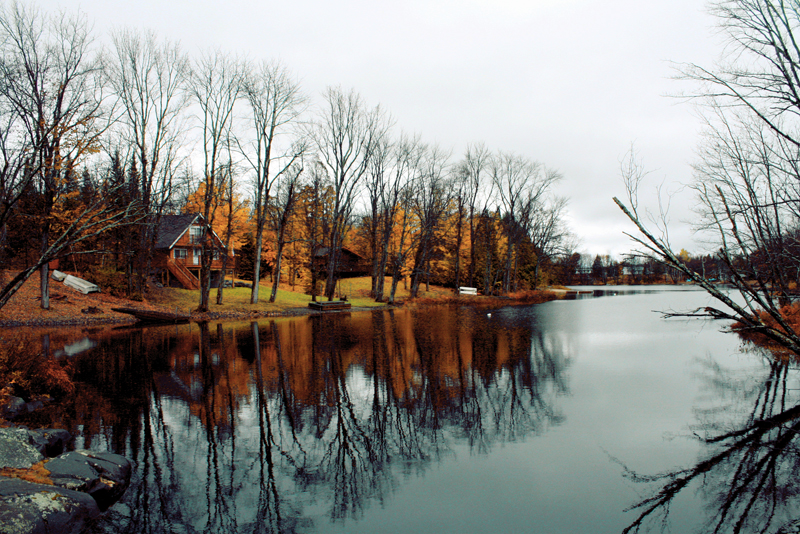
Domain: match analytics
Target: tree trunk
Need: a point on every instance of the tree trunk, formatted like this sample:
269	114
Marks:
257	263
471	277
333	260
44	286
44	275
459	232
221	284
375	256
313	276
384	257
276	279
395	281
205	276
381	274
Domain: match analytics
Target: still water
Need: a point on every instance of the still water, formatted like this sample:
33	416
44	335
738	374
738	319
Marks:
556	418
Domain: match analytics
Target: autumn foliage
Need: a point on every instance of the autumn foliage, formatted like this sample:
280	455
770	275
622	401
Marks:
791	316
35	473
32	374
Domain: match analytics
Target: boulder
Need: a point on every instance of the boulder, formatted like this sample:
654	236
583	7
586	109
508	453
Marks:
49	441
14	407
16	450
103	475
84	483
28	508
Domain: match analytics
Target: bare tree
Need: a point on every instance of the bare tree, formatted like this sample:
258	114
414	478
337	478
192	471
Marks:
344	136
394	198
472	170
431	193
521	186
764	77
275	103
233	210
97	218
282	209
215	86
748	175
149	79
377	186
315	217
408	165
548	234
53	84
735	248
16	170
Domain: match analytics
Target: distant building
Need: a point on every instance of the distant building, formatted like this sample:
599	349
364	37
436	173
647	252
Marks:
636	269
350	265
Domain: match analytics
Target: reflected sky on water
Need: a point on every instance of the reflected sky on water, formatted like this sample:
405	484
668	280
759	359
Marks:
550	418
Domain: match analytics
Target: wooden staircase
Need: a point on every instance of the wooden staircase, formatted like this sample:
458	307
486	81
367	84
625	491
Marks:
184	276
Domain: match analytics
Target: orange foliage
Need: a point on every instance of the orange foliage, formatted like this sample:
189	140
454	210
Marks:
34	372
790	314
241	223
35	473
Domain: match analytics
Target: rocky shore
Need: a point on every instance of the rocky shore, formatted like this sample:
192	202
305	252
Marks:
46	490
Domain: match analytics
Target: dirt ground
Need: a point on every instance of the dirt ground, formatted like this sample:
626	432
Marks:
67	306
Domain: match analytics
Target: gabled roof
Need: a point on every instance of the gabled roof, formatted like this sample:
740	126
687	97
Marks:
324	251
172	227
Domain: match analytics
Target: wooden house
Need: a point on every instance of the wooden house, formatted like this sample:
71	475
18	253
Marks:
178	251
350	264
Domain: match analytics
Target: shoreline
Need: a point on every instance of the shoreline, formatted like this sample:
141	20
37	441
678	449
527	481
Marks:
541	296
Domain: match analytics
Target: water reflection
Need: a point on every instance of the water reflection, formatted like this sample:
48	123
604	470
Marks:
748	470
272	427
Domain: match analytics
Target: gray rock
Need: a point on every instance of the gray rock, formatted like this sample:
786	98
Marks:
16	450
28	508
32	406
14	407
102	475
49	441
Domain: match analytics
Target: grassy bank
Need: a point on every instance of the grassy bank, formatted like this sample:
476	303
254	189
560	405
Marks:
69	307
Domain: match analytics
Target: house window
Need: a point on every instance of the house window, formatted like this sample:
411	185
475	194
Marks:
180	253
195	234
216	255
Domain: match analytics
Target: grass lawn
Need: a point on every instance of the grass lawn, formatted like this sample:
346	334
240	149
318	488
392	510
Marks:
238	299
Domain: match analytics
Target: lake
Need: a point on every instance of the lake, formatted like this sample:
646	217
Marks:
554	418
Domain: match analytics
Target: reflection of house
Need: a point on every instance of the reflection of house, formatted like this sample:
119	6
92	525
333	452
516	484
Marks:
350	264
179	246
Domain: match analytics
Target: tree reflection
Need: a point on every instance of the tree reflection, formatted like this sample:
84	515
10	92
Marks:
239	429
749	474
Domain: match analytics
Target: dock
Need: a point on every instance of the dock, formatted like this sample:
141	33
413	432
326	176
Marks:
330	305
153	316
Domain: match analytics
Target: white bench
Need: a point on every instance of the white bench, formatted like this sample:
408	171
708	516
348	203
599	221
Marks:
467	290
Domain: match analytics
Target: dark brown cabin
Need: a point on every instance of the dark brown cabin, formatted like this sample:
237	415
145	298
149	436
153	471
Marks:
350	265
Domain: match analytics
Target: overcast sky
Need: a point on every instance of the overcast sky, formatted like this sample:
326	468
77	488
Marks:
569	83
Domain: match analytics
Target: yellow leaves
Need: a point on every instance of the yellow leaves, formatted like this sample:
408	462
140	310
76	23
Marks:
35	473
241	222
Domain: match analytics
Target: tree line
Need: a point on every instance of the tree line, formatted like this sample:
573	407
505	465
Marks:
98	143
